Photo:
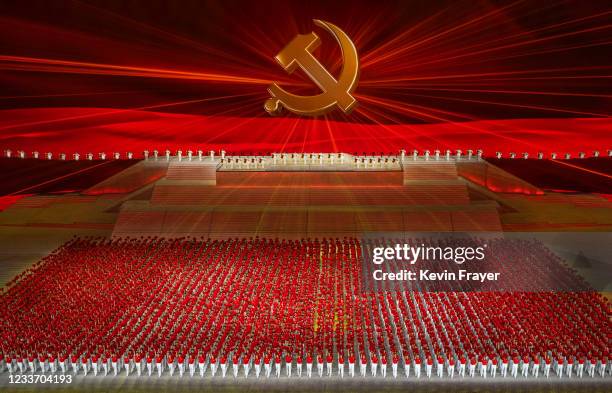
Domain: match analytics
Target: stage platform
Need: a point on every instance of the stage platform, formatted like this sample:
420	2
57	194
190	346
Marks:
309	195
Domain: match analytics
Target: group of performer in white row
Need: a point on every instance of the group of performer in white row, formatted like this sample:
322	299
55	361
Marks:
273	366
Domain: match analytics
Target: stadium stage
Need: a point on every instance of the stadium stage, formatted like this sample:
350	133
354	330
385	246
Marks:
305	196
184	219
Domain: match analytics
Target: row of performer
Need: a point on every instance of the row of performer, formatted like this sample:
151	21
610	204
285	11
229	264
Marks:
268	366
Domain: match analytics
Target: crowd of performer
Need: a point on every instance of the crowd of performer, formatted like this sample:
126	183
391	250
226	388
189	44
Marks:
266	308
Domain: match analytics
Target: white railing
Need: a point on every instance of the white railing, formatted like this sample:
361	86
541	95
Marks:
305	159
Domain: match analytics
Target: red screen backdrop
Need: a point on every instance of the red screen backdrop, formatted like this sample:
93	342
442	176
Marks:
131	75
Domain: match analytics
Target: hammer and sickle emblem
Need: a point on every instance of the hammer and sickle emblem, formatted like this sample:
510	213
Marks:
335	92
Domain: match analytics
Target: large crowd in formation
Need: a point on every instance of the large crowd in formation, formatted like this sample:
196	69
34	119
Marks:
267	308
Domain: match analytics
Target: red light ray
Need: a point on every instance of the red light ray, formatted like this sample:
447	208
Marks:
582	169
525	106
114	112
59	178
139	25
396	81
405	48
381	139
493	46
67	94
56	65
497	91
331	135
519	44
458	124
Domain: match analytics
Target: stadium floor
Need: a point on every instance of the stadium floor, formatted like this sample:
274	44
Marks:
331	384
